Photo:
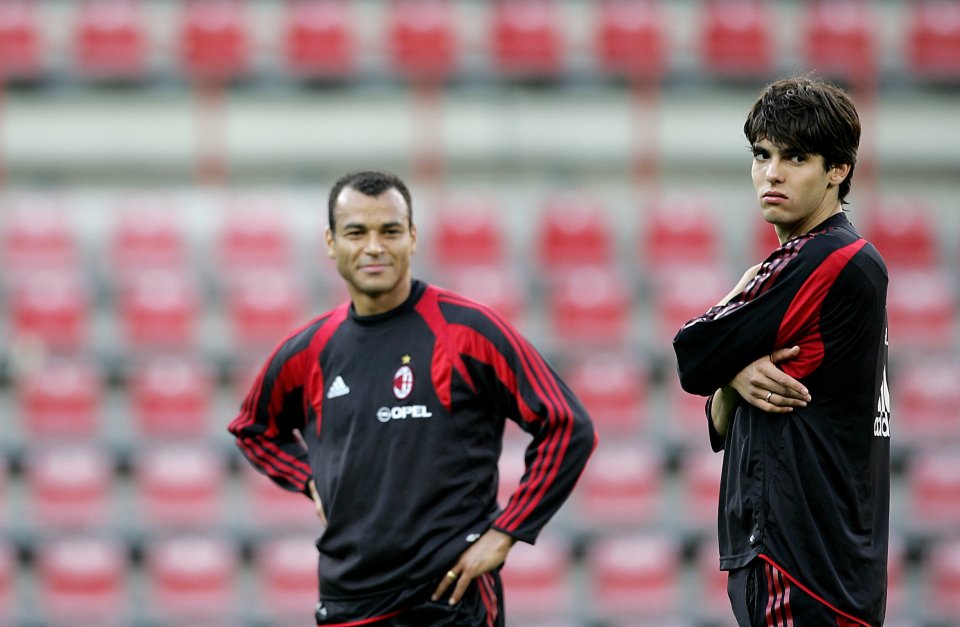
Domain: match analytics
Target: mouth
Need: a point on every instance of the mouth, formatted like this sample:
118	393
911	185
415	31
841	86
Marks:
773	197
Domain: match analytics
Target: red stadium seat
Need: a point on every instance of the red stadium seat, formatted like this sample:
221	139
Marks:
538	580
422	38
736	38
51	308
942	581
927	395
61	398
685	417
526	38
679	232
590	306
82	580
214	39
635	575
69	486
147	235
621	487
191	578
270	507
286	575
497	287
932	39
8	565
318	39
711	581
110	40
171	396
254	235
179	486
630	39
574	231
38	234
159	309
765	240
468	233
613	386
921	309
840	40
686	293
934	488
905	233
263	307
20	40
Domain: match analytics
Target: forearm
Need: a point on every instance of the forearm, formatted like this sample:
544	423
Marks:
722	408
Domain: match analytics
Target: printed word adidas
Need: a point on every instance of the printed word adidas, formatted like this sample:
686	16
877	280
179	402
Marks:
338	388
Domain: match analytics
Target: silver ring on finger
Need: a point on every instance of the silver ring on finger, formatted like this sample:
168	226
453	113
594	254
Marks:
769	394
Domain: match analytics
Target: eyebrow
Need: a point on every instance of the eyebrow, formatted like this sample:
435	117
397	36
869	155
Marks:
361	225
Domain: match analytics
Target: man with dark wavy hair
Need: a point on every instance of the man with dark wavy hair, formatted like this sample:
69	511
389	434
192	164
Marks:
793	362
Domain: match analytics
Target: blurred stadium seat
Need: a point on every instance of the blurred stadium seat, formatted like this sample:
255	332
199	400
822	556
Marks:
21	45
497	287
700	481
685	417
263	307
927	394
905	234
622	487
590	306
318	39
61	398
69	486
214	39
270	508
285	570
38	234
526	38
922	309
179	485
110	39
630	39
613	386
711	582
171	395
934	489
254	234
422	39
736	39
678	232
468	232
942	585
573	230
839	40
764	240
537	580
159	310
52	309
931	41
8	582
82	580
191	578
686	292
635	575
147	234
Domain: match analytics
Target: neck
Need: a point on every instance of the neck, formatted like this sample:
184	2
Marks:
372	304
788	232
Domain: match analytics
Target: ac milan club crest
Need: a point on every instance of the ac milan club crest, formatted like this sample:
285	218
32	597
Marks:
403	380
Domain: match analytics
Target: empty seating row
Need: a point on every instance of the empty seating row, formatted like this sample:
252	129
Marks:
635	575
214	39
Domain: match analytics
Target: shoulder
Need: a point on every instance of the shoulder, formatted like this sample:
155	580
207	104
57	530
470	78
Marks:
459	309
309	335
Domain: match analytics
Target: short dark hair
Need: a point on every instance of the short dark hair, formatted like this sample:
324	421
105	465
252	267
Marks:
810	115
368	183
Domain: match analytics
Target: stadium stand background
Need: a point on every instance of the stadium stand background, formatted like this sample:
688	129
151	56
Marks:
578	164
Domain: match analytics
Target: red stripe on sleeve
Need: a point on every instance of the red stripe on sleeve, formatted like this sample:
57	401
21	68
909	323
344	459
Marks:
801	323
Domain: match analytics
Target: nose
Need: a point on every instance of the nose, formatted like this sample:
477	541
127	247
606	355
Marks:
773	173
373	245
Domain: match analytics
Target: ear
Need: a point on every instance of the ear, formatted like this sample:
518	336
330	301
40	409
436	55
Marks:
838	173
328	235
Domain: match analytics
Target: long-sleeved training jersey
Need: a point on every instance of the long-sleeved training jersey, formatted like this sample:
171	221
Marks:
403	415
807	490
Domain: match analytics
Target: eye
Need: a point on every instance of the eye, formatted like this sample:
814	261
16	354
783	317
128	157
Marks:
798	159
760	154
